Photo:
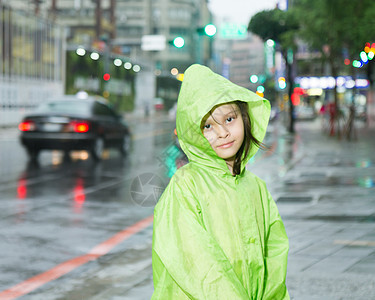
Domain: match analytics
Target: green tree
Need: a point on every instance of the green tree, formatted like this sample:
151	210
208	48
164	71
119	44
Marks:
280	26
334	27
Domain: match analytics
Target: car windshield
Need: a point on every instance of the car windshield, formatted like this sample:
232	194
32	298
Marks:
65	107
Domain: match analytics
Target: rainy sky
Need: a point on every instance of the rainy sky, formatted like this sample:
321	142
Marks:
239	11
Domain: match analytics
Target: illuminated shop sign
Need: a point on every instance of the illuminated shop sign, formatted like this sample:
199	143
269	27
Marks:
329	82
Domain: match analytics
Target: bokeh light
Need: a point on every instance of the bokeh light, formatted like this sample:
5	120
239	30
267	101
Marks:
117	62
136	68
94	56
254	78
80	51
127	65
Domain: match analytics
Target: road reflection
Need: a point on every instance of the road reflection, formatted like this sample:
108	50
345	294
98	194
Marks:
79	196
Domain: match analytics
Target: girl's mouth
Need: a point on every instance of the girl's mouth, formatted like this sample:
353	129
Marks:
224	146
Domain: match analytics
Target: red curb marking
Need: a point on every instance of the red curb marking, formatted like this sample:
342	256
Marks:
103	248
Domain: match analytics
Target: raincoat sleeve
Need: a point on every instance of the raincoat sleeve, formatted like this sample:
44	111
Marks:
187	261
276	255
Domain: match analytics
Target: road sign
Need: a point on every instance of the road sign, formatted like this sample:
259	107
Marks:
233	31
153	42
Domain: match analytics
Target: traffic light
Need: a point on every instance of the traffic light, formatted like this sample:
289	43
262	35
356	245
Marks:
209	30
106	76
178	42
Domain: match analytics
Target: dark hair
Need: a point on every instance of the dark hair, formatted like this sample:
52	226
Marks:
249	139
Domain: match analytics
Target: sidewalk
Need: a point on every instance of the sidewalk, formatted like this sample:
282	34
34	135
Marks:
326	197
324	188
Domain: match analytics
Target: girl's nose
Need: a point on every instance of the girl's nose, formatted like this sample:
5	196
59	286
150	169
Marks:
223	131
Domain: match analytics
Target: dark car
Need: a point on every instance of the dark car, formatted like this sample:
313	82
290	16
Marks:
71	123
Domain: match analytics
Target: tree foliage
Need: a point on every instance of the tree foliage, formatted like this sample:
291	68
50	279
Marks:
337	28
275	24
281	27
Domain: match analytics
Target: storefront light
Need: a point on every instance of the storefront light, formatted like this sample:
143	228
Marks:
117	62
136	68
349	84
94	56
127	65
80	51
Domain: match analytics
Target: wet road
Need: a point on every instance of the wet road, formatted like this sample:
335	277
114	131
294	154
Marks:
58	210
83	217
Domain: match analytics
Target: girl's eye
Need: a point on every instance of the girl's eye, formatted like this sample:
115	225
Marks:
230	119
207	126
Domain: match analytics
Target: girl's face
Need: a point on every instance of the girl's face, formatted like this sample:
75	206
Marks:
224	129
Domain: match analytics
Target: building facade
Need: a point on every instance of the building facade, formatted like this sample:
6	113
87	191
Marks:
123	23
247	58
115	30
32	60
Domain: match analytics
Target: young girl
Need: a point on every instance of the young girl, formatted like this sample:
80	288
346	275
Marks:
217	231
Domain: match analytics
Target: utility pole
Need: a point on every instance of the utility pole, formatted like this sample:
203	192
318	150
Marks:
53	9
36	8
98	17
113	19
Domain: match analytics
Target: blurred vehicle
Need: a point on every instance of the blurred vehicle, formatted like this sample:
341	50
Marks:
158	103
70	123
304	113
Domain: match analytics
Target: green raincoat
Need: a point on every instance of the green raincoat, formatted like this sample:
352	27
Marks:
217	236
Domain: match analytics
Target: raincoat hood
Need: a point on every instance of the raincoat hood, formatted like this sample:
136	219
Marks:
201	90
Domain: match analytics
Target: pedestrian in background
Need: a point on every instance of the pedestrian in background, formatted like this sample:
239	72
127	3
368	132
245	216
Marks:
217	230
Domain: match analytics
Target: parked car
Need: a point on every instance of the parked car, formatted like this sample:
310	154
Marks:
70	123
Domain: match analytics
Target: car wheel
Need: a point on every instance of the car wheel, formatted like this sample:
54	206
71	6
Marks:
125	145
98	148
33	153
